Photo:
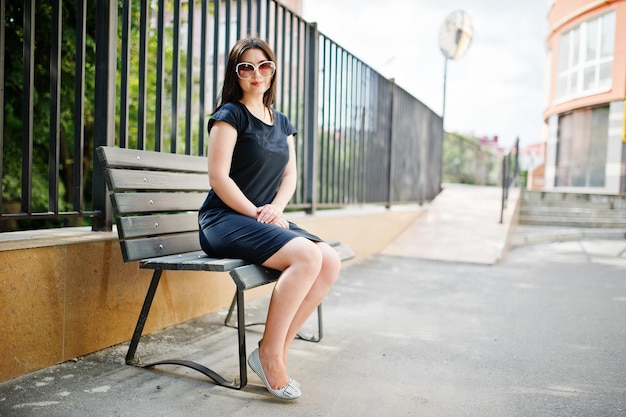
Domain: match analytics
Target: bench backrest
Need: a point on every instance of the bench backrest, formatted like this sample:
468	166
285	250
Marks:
155	198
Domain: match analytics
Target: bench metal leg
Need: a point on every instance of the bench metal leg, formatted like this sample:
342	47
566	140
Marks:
240	323
143	315
241	337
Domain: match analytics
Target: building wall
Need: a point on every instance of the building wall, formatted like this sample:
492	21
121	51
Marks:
566	14
563	16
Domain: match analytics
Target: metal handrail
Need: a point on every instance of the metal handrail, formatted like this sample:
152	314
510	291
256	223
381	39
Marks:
510	160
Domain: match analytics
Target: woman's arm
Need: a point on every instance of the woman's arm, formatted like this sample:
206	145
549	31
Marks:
222	140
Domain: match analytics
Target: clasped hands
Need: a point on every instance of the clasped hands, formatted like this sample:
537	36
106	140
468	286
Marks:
271	214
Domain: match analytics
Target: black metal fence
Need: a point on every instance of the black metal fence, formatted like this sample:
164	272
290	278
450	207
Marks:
146	74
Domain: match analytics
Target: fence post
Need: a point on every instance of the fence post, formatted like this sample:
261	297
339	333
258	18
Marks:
104	105
310	164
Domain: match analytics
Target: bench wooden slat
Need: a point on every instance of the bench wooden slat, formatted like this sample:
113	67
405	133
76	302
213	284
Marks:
138	226
192	261
252	276
130	203
112	157
132	180
152	247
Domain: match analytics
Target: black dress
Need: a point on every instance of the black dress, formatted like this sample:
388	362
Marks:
259	159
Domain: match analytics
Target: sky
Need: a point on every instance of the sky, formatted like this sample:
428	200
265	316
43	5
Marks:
495	89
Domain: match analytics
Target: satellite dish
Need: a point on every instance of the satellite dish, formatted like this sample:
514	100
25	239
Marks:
455	35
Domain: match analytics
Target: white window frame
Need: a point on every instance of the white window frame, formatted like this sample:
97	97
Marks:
572	72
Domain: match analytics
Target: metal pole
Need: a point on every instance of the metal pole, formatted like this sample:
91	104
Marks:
445	76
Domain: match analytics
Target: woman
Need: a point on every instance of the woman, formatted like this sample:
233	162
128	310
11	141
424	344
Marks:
252	169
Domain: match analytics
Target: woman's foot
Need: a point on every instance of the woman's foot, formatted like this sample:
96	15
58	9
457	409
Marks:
288	392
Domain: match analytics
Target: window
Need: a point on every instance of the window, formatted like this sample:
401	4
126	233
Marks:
586	57
582	148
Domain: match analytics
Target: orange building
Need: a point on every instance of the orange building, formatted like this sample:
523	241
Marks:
585	113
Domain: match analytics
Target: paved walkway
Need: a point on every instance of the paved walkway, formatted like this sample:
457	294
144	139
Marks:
461	225
427	328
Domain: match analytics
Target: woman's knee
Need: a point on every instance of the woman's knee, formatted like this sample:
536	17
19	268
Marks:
331	263
300	253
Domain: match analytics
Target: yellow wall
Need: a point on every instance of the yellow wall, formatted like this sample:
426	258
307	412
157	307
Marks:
67	300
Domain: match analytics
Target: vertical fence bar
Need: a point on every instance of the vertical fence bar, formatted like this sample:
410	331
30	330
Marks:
249	18
79	107
267	20
160	57
288	56
55	108
216	49
283	62
340	136
124	73
333	138
275	26
189	78
203	63
238	23
295	65
326	128
349	129
343	138
323	192
502	199
175	79
227	28
27	104
391	159
312	94
258	19
143	73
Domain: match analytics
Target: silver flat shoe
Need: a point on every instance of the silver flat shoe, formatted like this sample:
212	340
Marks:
289	392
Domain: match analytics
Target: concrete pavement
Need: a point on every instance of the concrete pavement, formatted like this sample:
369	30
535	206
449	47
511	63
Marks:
535	331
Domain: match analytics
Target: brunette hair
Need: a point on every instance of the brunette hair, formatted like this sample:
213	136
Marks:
231	90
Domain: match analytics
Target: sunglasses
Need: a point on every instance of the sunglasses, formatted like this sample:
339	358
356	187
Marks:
246	69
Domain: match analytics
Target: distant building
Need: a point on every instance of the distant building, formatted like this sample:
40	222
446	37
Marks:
585	139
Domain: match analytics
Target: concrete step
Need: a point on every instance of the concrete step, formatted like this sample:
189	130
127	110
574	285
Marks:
578	210
571	203
587	222
528	234
585	212
575	199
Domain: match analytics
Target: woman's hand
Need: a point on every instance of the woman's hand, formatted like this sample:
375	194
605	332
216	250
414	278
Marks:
271	214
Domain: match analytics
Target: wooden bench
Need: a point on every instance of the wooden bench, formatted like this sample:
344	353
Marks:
155	198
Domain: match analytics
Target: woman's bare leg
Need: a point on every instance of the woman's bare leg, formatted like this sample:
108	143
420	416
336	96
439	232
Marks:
331	265
301	262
